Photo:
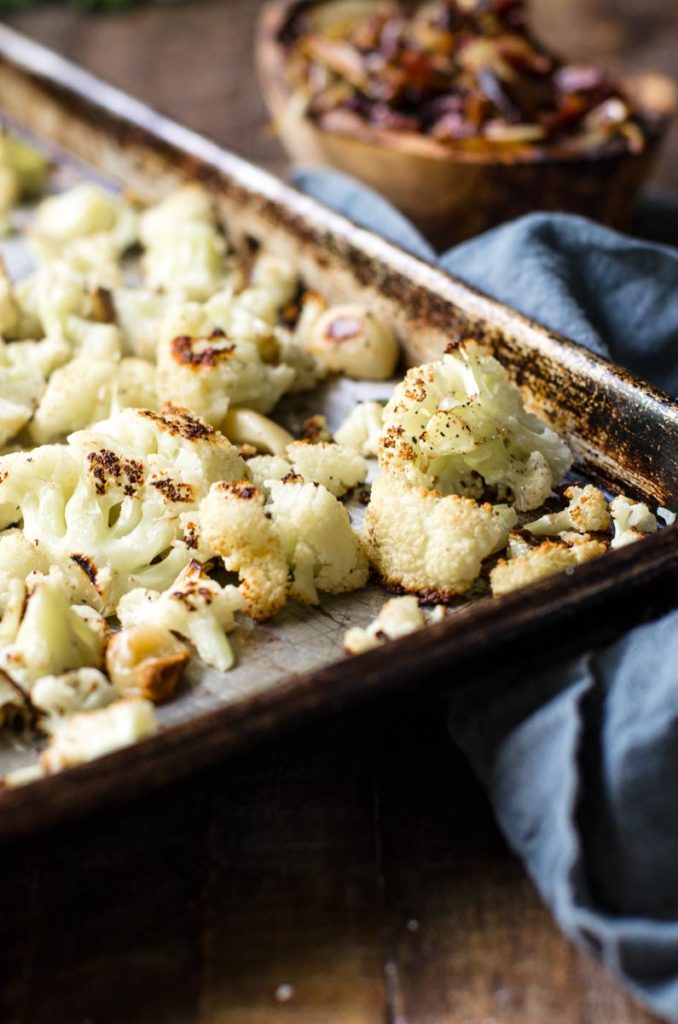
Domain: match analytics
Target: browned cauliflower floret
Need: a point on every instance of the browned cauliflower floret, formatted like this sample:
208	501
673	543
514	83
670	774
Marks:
427	544
87	735
336	467
205	371
236	526
460	425
86	390
397	617
323	551
112	508
586	513
546	560
632	520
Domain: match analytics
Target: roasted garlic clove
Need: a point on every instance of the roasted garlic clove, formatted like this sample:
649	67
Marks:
146	661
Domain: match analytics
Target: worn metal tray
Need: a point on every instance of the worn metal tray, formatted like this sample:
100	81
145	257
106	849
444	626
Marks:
624	434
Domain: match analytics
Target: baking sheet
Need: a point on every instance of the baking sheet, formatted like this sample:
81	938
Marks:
623	432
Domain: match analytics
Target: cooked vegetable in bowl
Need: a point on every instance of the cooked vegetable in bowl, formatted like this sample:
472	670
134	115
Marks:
453	102
467	74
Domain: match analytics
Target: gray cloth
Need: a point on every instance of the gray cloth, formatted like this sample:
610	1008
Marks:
581	761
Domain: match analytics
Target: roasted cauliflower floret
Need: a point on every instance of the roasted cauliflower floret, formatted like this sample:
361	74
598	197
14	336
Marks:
322	549
361	430
185	250
459	425
351	340
586	513
538	563
236	527
337	468
75	739
86	390
109	508
96	259
18	558
194	606
81	212
175	443
189	258
397	617
146	660
427	544
187	204
277	277
59	305
139	314
81	689
293	341
268	467
50	638
21	388
632	520
202	369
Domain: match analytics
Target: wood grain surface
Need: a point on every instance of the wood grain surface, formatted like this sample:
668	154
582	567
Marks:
346	874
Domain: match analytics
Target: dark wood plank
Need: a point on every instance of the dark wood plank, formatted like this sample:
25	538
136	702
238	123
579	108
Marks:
468	938
102	920
293	928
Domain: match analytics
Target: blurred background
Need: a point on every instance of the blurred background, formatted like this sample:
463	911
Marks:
194	61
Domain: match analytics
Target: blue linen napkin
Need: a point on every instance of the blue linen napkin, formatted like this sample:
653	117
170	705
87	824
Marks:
581	761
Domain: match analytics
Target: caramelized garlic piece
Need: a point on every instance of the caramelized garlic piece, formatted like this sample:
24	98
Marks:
351	340
146	661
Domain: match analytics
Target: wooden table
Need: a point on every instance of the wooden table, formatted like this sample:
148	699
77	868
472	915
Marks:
348	873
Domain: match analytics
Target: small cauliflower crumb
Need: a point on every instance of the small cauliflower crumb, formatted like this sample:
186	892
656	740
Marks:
361	429
76	739
268	467
82	689
586	513
632	520
336	467
316	429
538	563
398	617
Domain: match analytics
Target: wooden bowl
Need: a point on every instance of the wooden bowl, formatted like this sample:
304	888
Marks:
454	194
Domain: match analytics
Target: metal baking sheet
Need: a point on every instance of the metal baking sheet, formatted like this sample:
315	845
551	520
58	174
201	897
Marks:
623	432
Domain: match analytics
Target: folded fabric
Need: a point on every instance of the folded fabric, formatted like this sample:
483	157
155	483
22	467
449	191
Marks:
581	761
